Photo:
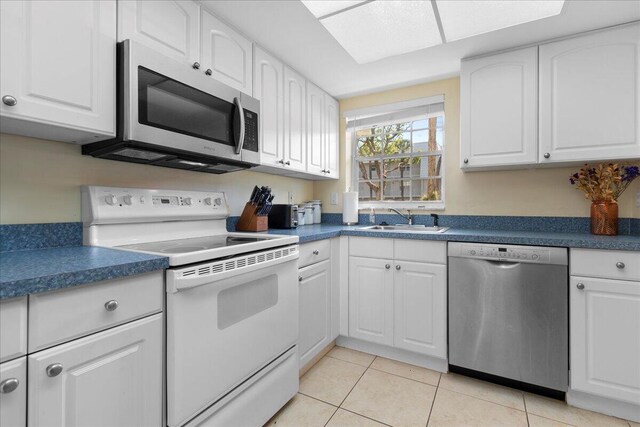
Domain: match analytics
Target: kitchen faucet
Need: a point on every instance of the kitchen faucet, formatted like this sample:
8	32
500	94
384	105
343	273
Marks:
408	217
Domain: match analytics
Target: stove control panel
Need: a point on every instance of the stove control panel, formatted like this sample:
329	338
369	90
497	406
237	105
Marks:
110	205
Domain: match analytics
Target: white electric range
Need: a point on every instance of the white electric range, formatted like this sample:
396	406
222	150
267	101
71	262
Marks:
231	306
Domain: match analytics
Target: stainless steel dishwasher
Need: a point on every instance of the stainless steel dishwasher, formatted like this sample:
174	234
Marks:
508	314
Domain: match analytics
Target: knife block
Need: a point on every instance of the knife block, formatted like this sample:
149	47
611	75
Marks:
250	221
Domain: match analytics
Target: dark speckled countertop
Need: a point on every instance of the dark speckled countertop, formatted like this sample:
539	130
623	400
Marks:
309	233
26	272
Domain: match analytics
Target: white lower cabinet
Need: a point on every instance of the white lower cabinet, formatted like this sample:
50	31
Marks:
315	310
13	393
371	299
605	337
400	300
420	301
112	378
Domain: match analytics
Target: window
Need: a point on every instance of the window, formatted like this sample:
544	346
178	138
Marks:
398	156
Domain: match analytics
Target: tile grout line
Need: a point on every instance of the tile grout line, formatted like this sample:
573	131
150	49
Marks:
526	413
433	402
364	416
331	417
480	398
319	400
406	378
354	385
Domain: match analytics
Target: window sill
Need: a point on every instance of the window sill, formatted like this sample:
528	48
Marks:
414	206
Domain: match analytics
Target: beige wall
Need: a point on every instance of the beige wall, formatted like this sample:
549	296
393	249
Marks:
40	180
539	192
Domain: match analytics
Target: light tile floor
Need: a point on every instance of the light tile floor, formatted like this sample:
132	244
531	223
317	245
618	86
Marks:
350	388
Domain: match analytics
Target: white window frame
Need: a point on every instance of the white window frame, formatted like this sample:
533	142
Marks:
386	204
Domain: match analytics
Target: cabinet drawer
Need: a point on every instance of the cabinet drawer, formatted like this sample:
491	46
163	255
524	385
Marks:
13	328
420	251
623	265
313	252
59	316
371	247
13	401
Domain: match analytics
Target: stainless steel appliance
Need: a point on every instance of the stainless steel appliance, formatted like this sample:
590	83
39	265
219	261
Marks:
508	314
172	114
231	304
283	216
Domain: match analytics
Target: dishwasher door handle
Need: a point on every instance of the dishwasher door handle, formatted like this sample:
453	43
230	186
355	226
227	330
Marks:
503	264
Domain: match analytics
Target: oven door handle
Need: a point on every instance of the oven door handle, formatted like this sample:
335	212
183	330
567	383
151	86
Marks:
177	282
238	121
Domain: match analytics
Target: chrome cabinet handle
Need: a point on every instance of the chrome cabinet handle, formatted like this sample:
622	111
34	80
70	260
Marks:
54	370
111	305
208	72
239	117
387	266
196	65
466	161
580	286
299	278
9	100
287	163
281	161
316	252
547	155
9	385
397	267
620	265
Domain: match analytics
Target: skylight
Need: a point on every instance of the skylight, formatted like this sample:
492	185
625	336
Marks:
466	18
370	30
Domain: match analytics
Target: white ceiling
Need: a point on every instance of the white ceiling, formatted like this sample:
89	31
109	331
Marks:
289	30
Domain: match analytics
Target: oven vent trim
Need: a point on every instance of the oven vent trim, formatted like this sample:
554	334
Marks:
238	263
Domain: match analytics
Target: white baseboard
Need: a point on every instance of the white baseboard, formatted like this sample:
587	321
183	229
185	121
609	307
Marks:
429	362
616	408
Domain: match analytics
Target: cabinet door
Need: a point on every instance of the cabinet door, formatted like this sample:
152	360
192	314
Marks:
499	109
371	299
268	75
315	310
589	91
13	393
58	62
605	326
332	140
315	130
113	378
227	53
295	137
420	300
172	27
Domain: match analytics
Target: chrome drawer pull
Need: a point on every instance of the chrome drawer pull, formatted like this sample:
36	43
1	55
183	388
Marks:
397	267
620	265
54	370
316	252
580	286
8	385
9	100
387	266
299	278
111	305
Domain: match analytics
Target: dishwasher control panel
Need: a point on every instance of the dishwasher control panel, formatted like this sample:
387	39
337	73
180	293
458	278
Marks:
513	253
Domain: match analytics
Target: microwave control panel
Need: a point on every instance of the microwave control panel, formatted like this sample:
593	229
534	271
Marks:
250	131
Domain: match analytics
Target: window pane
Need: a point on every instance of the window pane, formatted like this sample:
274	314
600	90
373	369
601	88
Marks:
419	124
368	190
368	147
397	168
398	190
423	167
369	170
426	189
440	121
427	140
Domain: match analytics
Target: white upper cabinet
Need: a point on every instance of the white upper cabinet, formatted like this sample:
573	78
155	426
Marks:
331	156
499	109
168	26
58	69
226	54
268	81
589	92
295	137
315	129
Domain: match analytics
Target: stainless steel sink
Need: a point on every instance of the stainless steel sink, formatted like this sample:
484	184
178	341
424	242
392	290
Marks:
405	228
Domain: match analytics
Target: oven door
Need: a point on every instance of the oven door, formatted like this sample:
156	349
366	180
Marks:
225	321
171	104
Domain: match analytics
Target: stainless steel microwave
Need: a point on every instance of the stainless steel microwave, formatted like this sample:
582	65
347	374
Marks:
172	115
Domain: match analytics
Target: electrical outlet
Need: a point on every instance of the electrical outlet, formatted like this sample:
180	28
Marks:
334	198
290	198
638	199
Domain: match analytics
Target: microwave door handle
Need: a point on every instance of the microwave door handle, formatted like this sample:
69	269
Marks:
239	138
